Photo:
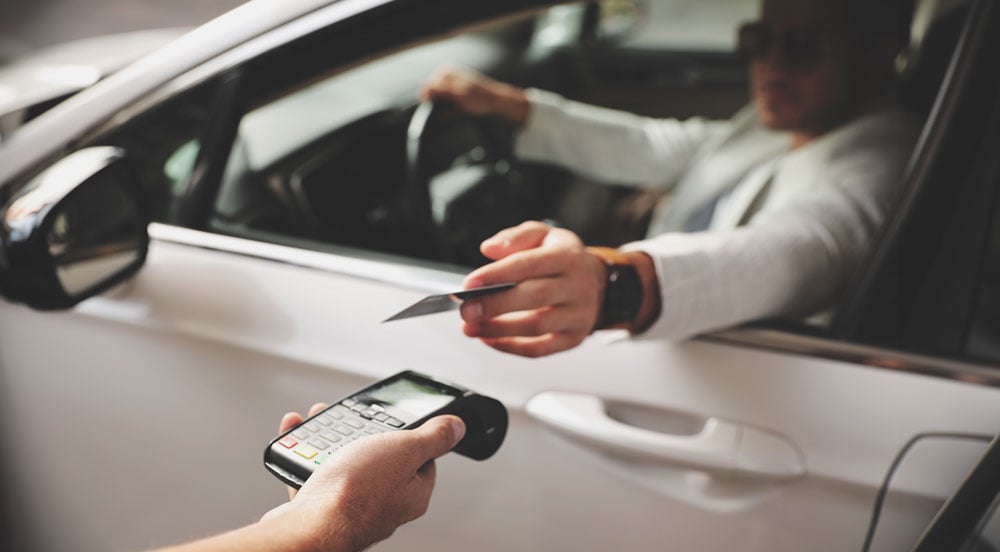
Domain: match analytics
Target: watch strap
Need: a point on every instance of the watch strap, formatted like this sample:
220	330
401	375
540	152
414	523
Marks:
622	292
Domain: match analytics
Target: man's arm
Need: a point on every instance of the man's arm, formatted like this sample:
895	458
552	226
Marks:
606	144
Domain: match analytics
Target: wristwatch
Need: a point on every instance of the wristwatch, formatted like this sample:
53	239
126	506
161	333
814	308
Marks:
623	290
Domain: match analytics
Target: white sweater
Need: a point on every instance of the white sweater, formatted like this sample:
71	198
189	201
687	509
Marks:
824	204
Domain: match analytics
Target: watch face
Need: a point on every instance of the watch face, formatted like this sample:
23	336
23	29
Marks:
623	295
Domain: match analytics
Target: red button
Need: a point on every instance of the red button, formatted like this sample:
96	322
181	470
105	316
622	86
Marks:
288	442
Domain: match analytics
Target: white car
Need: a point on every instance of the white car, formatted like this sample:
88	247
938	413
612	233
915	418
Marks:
37	82
299	195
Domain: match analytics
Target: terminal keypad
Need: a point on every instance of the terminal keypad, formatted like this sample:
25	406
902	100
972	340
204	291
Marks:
314	441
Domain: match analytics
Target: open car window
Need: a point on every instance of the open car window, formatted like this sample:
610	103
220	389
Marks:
329	157
325	156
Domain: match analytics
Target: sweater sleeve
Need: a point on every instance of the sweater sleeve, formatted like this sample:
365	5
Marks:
793	260
610	145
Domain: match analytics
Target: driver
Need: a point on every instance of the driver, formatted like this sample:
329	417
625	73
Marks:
770	212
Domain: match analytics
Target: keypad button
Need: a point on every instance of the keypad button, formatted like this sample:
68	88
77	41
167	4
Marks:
318	443
338	412
288	442
342	429
325	420
356	424
306	452
330	436
313	427
301	433
381	417
394	422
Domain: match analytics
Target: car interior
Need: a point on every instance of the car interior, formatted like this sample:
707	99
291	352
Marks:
928	286
378	172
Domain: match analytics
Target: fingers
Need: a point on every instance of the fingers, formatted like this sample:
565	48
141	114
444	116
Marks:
316	408
477	94
556	302
288	421
536	307
535	347
556	278
471	91
292	419
375	484
431	440
437	436
576	320
529	250
526	235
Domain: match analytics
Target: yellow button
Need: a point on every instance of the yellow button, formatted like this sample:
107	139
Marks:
306	452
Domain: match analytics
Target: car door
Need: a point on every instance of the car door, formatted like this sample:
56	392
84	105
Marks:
155	400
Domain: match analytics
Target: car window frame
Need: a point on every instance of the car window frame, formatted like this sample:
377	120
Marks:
942	152
853	336
841	345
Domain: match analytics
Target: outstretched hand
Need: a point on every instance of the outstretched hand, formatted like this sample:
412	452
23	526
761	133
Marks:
371	486
557	301
358	497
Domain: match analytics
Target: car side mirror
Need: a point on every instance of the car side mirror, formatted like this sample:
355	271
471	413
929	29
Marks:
73	231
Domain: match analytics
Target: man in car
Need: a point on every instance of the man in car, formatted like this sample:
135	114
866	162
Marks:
359	497
770	212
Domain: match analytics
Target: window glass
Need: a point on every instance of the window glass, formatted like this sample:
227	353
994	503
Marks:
983	339
330	160
675	24
682	25
327	160
164	145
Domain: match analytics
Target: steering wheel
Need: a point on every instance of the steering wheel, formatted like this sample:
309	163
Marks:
442	141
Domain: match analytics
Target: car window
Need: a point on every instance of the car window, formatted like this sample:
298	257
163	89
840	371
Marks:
677	25
325	159
164	146
983	334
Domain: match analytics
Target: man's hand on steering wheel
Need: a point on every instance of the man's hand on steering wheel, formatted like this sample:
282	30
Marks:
477	94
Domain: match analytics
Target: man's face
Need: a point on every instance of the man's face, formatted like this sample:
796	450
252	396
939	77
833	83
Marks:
806	67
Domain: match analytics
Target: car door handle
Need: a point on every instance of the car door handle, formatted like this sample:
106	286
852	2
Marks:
718	446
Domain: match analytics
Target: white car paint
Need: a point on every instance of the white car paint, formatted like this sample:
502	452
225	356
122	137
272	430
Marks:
159	397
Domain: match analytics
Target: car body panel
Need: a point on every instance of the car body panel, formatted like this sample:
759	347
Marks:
179	375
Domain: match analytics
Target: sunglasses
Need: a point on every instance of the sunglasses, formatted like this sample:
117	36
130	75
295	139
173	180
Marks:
801	49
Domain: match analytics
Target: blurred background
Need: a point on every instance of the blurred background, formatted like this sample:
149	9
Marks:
29	25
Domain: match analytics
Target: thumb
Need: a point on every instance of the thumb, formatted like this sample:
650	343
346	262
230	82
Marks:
526	235
438	435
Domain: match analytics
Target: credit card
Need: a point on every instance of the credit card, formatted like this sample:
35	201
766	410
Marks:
447	301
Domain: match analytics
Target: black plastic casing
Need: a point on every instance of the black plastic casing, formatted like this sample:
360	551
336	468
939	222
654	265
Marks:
485	425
